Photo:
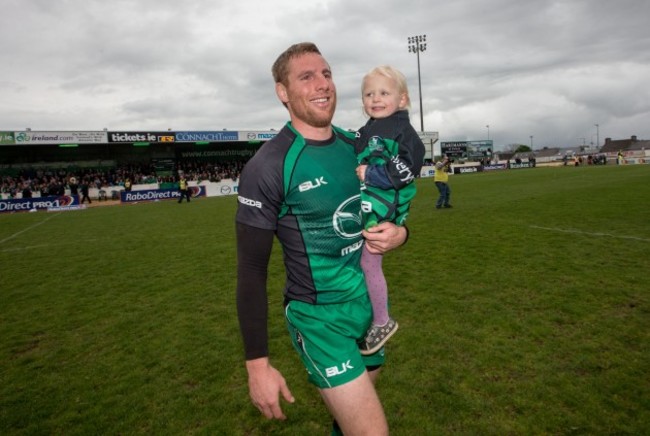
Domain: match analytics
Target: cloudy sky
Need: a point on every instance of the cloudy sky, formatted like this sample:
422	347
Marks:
550	69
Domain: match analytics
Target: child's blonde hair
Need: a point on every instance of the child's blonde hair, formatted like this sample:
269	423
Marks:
393	74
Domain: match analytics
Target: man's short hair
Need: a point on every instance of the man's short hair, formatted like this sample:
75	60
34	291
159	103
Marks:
280	67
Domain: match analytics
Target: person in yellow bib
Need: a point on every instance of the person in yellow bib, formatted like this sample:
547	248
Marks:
183	189
441	178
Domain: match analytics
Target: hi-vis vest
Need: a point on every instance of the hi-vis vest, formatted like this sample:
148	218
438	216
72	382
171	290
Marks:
440	174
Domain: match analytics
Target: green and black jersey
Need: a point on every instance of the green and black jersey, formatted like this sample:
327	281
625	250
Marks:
394	154
307	193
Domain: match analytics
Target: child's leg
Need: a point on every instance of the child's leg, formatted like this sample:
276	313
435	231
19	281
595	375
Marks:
377	287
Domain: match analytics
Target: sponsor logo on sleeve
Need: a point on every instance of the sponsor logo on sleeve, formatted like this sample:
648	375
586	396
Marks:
248	202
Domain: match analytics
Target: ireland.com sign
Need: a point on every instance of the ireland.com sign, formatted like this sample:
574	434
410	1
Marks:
78	137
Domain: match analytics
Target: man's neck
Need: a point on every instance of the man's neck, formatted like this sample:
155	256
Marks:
311	132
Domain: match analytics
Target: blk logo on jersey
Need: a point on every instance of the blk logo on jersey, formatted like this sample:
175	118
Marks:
312	184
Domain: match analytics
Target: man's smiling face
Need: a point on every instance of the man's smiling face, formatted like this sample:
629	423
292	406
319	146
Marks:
310	93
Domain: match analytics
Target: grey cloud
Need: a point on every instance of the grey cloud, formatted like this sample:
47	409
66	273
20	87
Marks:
551	68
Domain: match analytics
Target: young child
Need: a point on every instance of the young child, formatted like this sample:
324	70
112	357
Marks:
390	154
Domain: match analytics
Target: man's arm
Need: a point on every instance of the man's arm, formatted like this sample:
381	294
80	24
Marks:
253	254
265	383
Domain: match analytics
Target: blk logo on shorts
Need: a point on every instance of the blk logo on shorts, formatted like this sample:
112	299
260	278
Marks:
335	370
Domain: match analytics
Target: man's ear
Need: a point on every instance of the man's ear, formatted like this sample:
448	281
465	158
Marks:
281	92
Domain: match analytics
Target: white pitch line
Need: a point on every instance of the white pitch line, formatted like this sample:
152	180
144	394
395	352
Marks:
580	232
28	228
31	247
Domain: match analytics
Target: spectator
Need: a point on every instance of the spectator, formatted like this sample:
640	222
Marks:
84	192
441	179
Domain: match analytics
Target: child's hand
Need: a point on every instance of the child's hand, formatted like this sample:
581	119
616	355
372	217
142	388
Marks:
361	172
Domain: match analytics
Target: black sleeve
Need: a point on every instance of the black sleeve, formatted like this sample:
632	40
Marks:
253	254
403	168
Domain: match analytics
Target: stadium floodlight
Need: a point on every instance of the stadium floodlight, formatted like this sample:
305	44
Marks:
417	44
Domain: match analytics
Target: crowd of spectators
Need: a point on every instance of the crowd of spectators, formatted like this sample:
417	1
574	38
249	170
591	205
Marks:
210	171
49	181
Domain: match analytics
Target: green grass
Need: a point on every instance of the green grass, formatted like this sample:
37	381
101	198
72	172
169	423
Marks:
523	310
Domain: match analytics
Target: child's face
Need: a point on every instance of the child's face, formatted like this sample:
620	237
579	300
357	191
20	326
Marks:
380	96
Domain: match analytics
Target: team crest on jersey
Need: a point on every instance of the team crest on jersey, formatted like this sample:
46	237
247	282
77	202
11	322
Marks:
347	218
376	143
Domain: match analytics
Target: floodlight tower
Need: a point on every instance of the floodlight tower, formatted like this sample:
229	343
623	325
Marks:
417	44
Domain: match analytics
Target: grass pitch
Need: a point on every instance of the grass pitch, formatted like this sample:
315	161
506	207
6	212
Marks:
523	310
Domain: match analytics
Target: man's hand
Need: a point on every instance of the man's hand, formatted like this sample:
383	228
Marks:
384	237
265	384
